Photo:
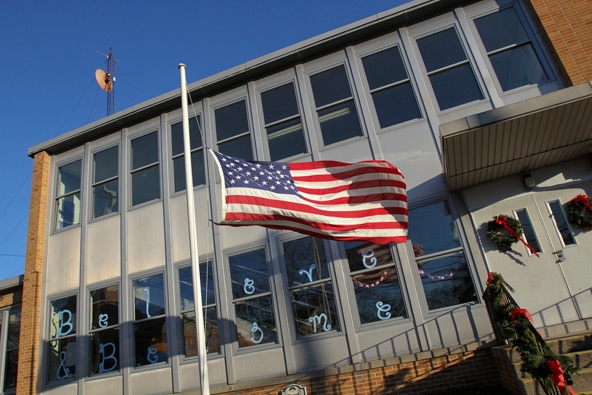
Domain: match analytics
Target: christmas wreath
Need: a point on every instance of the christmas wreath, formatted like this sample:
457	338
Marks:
579	211
504	231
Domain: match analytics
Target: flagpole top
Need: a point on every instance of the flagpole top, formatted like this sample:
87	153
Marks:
182	65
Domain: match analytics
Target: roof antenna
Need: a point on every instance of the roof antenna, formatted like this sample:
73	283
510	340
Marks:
105	81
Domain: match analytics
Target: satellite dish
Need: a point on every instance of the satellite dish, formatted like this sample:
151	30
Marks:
104	79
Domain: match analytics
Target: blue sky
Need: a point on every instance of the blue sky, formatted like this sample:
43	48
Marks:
48	57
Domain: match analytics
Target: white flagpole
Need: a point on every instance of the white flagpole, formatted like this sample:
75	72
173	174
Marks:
201	339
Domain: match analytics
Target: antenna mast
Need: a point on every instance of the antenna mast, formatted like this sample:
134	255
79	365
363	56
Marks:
110	94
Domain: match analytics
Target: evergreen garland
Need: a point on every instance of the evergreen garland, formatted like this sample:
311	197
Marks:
500	235
579	213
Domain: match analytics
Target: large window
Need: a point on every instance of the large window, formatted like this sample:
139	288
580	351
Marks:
311	288
105	182
104	330
208	297
197	154
12	348
68	195
150	336
233	132
376	282
449	69
510	50
251	293
145	169
440	257
285	136
62	344
391	90
335	105
561	225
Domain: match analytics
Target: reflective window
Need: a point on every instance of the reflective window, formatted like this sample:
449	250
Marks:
448	68
529	233
390	87
149	321
311	288
375	281
439	256
68	195
510	51
197	154
567	238
12	349
104	330
105	182
285	135
335	105
62	344
145	171
208	299
253	305
232	131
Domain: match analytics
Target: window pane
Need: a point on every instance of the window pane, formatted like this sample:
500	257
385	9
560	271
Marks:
177	136
446	281
238	148
106	164
62	359
212	333
151	341
432	229
286	139
69	178
500	29
306	261
330	86
314	309
11	369
378	295
279	103
339	123
254	322
106	198
68	211
455	86
396	105
528	230
441	49
63	317
231	120
149	297
384	68
561	223
146	185
197	169
517	67
14	329
362	255
208	294
104	351
144	150
249	274
104	307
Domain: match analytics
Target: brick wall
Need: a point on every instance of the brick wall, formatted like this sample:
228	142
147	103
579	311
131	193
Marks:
31	296
568	27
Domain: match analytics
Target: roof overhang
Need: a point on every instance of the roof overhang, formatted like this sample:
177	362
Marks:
519	137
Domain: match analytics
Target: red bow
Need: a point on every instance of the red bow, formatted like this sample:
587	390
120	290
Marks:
502	221
558	378
582	198
522	312
489	278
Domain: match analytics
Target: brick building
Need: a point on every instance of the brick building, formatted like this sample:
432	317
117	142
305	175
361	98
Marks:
484	106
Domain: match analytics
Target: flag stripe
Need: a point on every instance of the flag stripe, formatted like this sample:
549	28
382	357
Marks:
357	188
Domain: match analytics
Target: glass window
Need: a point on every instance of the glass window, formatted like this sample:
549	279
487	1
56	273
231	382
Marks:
145	171
104	330
232	130
335	105
149	321
311	288
68	195
62	344
253	305
448	68
567	238
439	256
285	135
208	299
390	87
12	348
510	51
197	154
529	234
376	282
105	184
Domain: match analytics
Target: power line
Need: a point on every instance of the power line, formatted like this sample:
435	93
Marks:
20	256
13	230
14	196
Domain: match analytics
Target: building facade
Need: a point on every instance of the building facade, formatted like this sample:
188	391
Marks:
466	98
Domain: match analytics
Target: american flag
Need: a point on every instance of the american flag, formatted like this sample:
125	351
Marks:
333	200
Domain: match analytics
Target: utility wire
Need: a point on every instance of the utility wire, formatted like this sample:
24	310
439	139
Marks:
20	256
126	80
13	230
15	194
79	100
93	105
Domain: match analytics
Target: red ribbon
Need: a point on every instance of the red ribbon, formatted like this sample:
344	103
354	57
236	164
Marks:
522	312
558	378
489	278
503	222
582	198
